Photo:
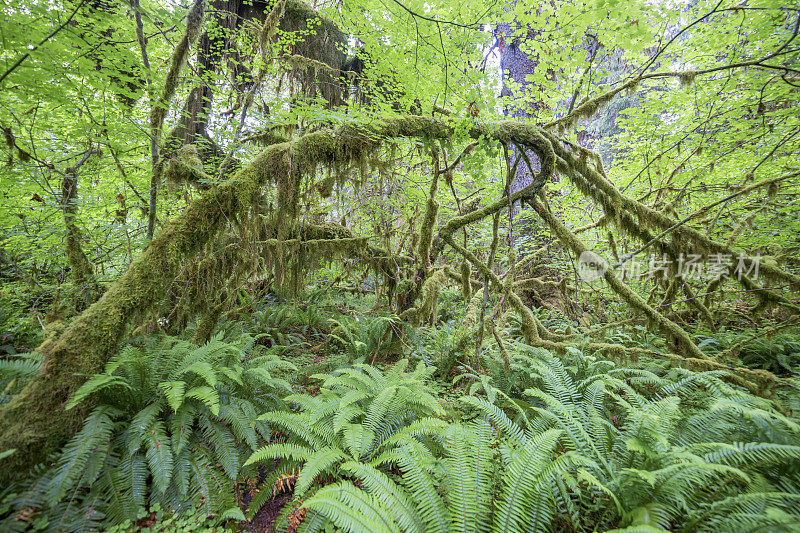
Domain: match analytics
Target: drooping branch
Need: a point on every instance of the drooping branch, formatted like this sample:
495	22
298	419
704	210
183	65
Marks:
635	217
769	182
670	329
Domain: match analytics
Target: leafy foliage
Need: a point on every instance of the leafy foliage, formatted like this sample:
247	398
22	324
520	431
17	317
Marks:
358	413
590	446
172	424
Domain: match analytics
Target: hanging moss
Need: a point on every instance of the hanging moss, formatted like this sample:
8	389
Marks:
635	217
773	188
670	329
318	40
426	311
325	187
269	28
426	232
687	78
186	167
471	314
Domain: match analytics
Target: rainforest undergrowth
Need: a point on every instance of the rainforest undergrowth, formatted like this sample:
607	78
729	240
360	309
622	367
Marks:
367	424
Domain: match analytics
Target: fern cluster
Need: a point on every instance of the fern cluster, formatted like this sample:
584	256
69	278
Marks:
583	446
364	338
171	426
544	443
358	414
659	460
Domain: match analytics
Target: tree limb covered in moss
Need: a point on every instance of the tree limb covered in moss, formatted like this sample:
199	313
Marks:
635	217
571	241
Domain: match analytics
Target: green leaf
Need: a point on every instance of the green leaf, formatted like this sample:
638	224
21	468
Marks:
174	391
207	395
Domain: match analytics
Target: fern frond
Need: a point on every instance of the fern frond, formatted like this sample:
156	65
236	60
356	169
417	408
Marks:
517	505
159	455
414	461
352	509
358	440
749	454
207	395
496	415
395	498
298	425
69	469
317	463
94	384
282	450
223	444
174	391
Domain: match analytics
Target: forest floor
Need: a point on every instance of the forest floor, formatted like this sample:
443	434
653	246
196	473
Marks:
328	350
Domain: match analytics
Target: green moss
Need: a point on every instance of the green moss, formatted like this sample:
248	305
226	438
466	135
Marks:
687	78
466	285
669	328
590	106
426	232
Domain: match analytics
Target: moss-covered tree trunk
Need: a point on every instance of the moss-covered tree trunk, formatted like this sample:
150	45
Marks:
80	266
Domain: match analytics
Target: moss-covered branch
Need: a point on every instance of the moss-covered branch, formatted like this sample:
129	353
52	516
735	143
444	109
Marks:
669	328
34	422
80	266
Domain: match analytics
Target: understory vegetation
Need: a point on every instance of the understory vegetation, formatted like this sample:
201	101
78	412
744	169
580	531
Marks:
400	266
315	413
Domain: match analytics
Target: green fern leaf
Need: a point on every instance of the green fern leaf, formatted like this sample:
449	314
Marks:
174	392
207	395
94	384
352	509
317	463
159	456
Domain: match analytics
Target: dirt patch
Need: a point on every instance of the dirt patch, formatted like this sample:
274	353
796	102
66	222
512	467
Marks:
262	521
